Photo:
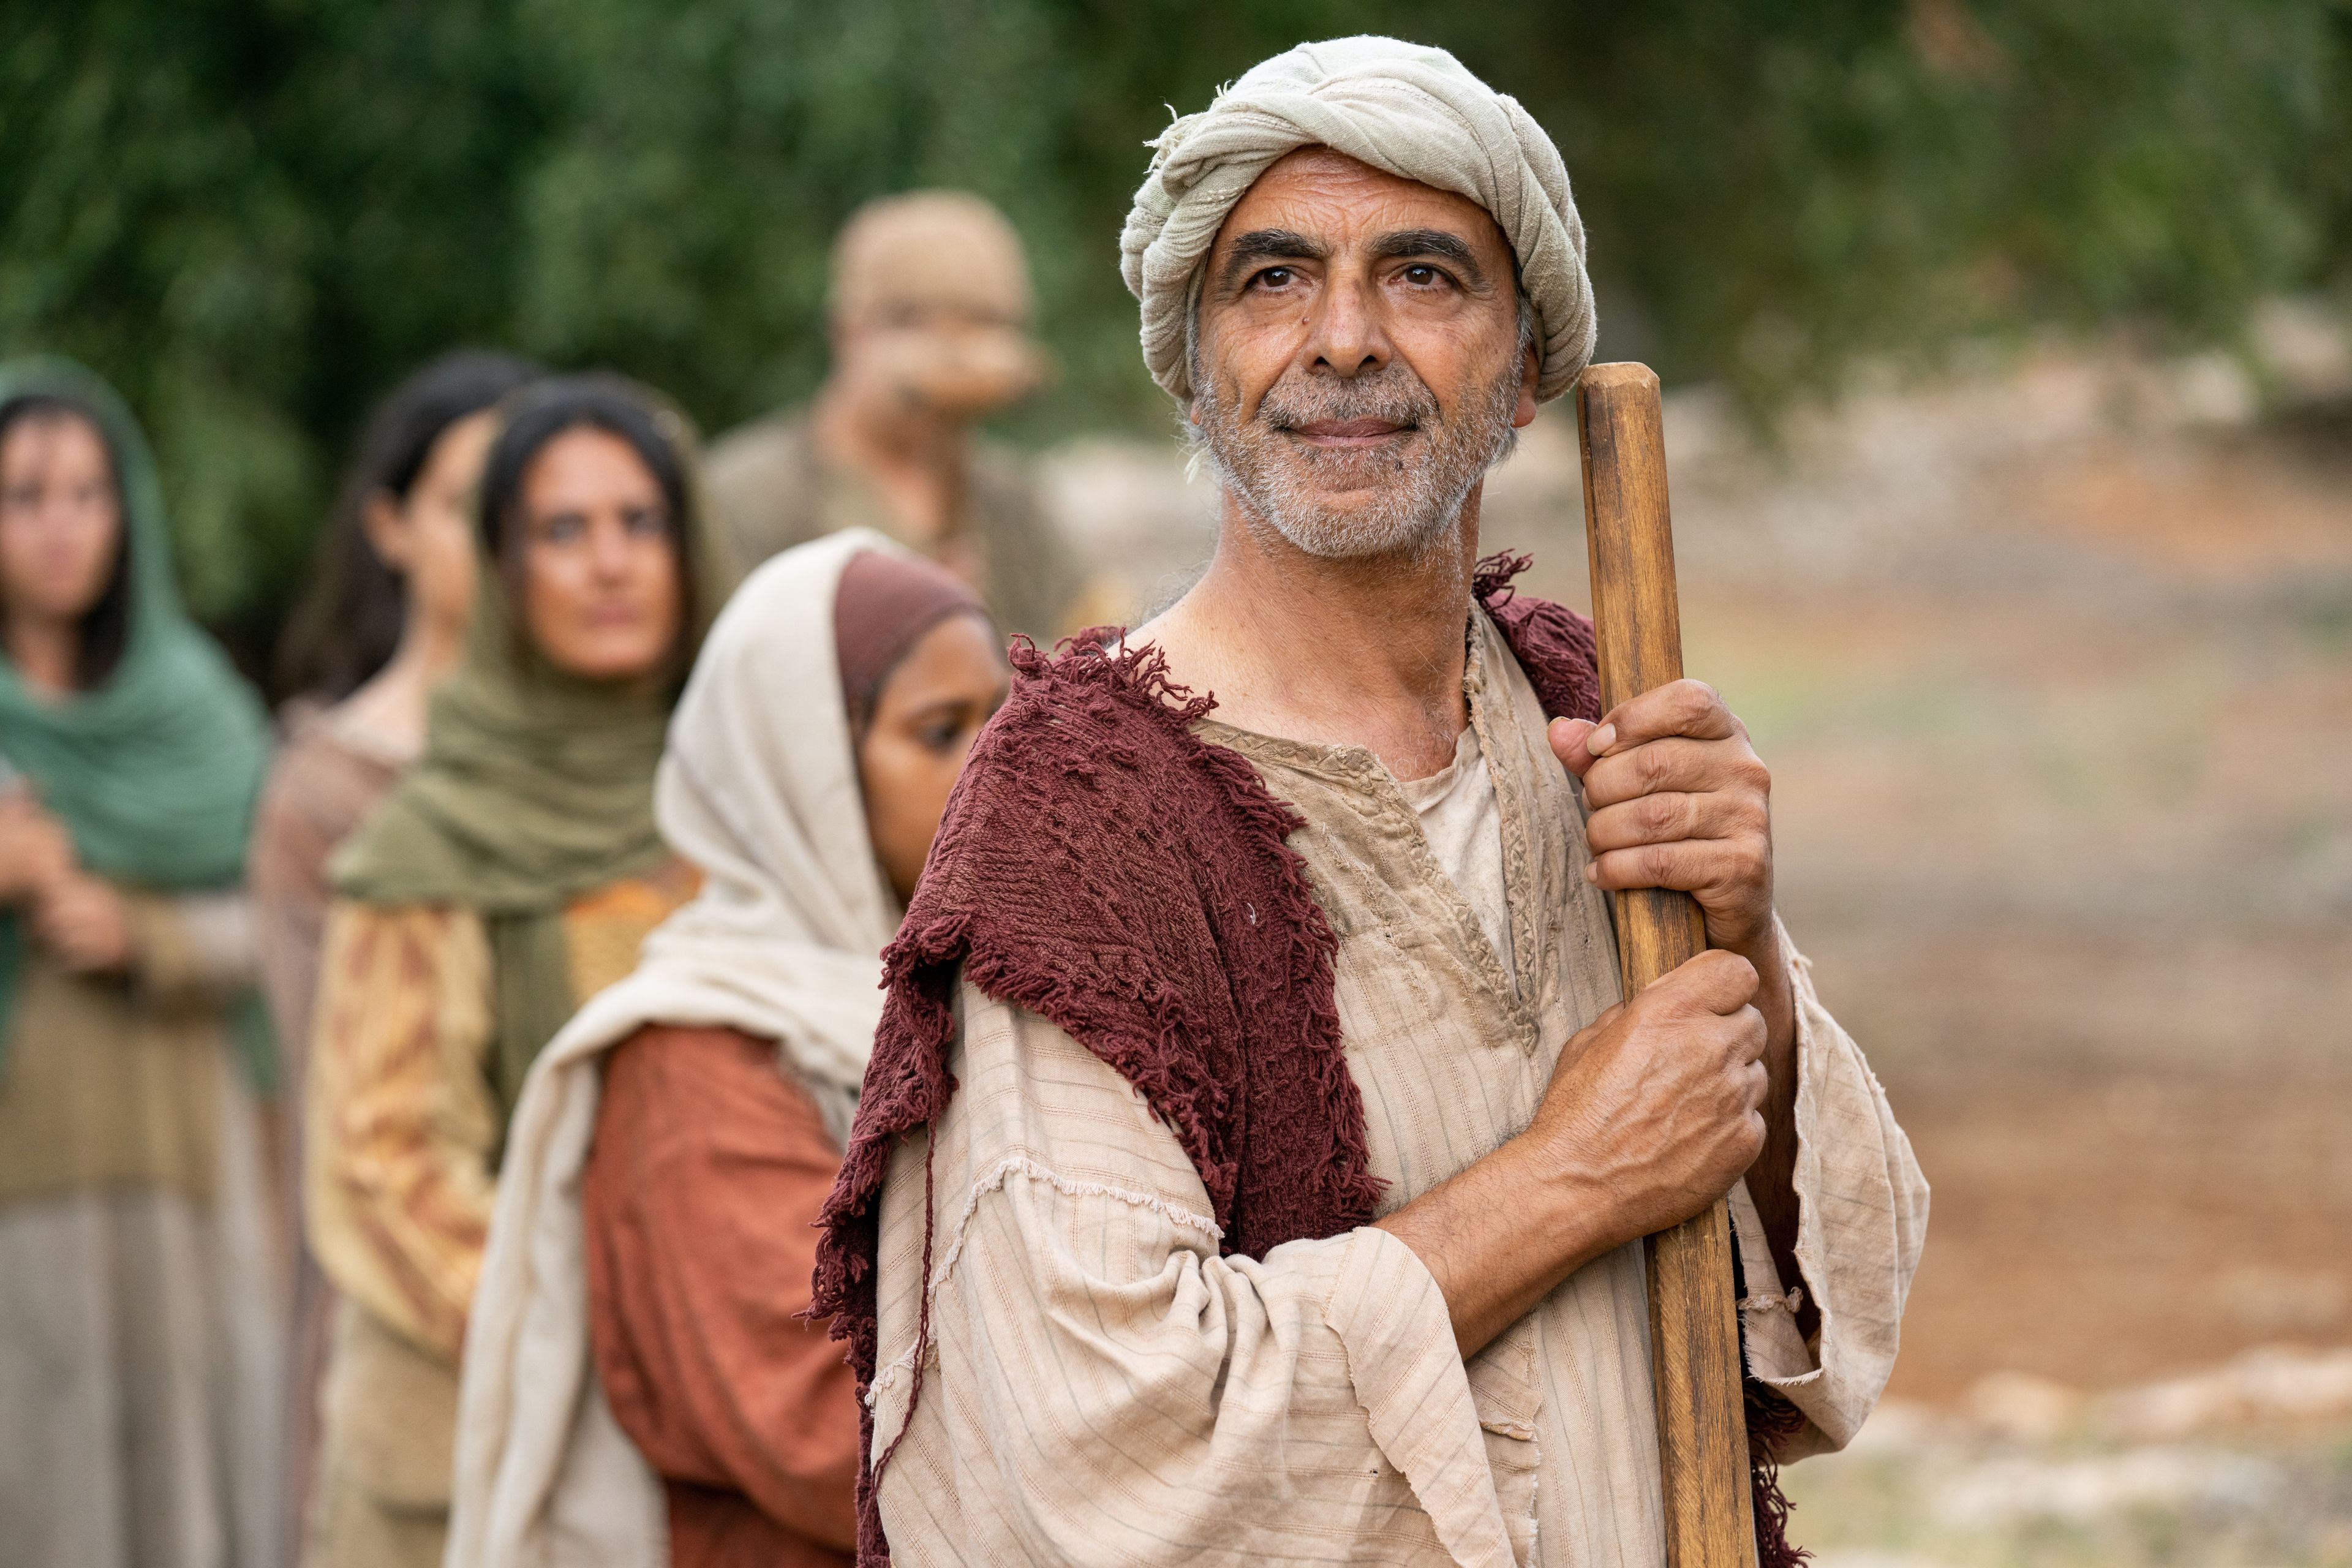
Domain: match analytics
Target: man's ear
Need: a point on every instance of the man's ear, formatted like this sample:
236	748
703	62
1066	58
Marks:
1530	373
386	527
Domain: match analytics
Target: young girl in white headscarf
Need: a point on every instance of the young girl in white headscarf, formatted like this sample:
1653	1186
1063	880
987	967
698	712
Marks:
637	1384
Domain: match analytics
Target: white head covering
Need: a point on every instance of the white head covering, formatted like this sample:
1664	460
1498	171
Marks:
759	788
1414	111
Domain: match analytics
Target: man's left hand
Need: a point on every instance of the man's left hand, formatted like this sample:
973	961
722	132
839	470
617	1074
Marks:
1679	799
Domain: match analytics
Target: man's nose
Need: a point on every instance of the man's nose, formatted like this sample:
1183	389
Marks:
1349	338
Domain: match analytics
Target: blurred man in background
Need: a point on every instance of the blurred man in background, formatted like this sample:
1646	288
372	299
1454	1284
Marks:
930	309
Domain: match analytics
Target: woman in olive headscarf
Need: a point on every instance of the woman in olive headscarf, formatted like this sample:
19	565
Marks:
137	1337
510	874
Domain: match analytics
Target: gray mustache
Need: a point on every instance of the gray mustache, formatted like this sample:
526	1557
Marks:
1397	398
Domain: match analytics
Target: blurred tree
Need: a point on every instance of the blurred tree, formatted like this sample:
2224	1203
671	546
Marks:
255	216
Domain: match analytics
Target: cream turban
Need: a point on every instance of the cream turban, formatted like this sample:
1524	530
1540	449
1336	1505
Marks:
1410	110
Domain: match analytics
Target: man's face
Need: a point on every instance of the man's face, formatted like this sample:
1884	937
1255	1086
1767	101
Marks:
949	361
1359	364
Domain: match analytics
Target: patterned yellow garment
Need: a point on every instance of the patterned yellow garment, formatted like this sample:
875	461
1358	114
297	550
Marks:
1104	1387
403	1128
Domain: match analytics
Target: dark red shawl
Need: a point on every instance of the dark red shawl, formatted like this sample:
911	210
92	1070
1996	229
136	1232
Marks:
1104	868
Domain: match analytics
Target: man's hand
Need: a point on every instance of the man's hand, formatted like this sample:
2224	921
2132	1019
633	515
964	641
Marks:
1654	1112
84	923
36	851
1679	800
1656	1108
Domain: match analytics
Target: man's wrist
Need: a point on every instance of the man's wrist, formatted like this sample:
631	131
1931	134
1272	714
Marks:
1581	1217
1757	940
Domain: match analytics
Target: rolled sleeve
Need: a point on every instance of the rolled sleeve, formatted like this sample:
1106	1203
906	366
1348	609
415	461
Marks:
1861	1206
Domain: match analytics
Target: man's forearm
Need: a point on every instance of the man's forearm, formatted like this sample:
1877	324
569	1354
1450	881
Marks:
1472	1233
1651	1116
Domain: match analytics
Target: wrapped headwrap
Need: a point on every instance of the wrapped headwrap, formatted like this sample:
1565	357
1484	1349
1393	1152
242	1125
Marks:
1409	111
886	603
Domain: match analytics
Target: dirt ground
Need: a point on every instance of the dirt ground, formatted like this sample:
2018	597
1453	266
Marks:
2053	668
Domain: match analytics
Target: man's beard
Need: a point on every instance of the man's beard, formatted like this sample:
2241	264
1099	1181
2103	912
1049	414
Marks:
1418	485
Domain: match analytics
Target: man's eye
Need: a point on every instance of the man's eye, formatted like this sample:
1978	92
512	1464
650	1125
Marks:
1276	276
1422	276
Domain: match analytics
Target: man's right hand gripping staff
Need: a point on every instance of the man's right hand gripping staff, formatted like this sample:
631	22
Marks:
1654	1112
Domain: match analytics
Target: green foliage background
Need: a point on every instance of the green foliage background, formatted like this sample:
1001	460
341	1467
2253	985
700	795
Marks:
254	214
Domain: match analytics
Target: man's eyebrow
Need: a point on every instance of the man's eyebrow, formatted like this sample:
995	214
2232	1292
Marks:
1267	245
1431	242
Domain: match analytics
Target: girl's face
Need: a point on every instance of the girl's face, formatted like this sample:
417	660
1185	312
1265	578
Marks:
926	716
602	594
428	537
60	520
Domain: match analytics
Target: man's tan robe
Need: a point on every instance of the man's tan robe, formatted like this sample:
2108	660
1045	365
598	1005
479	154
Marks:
1103	1387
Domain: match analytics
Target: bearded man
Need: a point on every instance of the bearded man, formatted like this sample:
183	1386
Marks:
1256	1153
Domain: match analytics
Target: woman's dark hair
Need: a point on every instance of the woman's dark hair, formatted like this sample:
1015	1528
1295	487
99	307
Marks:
597	402
105	630
351	615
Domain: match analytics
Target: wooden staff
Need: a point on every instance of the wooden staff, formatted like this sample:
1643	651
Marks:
1694	1315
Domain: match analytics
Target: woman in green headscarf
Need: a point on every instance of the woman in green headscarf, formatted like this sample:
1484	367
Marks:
139	1358
511	873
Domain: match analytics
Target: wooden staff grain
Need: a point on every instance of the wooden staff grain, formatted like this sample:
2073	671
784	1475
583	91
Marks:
1694	1315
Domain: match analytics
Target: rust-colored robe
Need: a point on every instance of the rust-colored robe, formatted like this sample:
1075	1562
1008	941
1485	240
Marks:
699	1203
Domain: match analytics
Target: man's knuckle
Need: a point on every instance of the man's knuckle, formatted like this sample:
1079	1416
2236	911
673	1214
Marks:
1655	765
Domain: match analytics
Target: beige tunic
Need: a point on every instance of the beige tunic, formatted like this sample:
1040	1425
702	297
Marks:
770	488
1104	1388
